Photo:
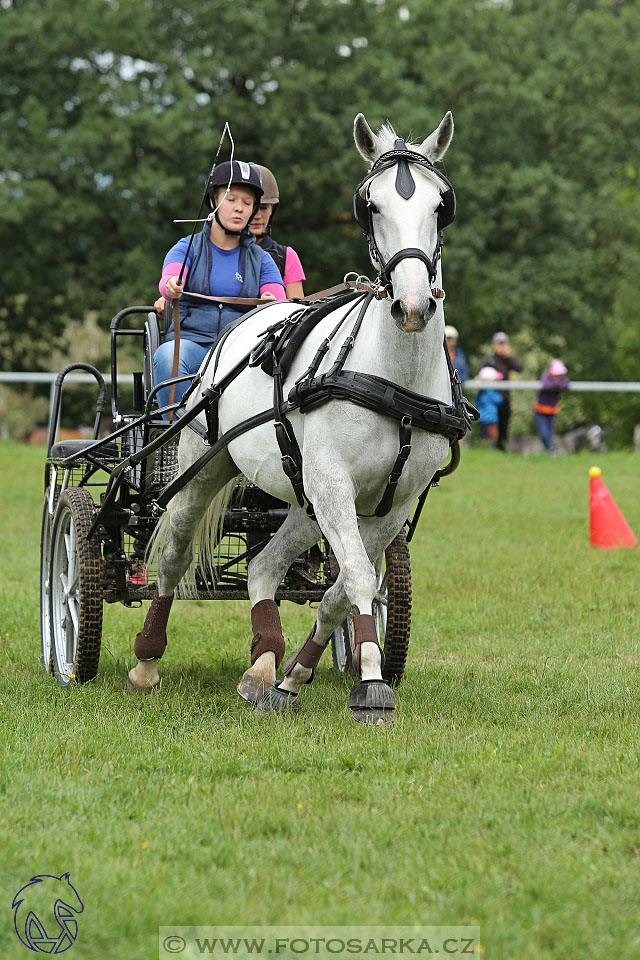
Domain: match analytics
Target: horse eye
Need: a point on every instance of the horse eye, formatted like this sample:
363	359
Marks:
373	207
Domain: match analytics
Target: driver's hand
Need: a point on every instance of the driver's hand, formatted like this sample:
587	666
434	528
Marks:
174	288
267	296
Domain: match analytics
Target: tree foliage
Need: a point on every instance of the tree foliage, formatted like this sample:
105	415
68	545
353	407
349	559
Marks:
111	114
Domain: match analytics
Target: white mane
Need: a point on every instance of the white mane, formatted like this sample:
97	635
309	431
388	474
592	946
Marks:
388	136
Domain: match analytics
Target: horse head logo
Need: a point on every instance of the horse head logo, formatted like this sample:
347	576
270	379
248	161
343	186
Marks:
44	914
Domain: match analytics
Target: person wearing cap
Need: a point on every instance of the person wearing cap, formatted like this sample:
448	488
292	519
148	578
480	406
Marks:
286	258
504	362
553	380
488	402
458	357
224	261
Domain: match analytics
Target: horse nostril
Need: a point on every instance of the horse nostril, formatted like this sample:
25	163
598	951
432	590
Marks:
431	308
399	311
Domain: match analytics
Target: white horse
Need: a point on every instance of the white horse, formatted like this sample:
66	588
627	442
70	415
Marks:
348	451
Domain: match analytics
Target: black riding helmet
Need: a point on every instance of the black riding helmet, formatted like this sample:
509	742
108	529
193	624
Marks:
240	175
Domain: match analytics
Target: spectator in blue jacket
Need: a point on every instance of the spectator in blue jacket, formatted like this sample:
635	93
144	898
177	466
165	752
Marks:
488	403
457	354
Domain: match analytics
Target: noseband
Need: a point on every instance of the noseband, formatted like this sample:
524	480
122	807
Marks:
363	208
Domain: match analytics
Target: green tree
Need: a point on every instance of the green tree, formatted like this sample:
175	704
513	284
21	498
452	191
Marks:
110	117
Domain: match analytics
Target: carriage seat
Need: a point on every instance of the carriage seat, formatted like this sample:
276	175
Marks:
72	448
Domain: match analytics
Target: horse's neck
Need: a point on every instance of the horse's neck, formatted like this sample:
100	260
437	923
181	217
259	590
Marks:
412	360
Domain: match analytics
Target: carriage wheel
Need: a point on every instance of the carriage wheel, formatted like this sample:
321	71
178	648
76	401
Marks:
45	578
75	589
392	613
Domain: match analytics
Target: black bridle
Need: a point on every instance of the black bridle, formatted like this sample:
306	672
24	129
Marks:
364	209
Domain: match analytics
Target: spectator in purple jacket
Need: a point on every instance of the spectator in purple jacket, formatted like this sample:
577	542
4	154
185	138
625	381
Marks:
546	407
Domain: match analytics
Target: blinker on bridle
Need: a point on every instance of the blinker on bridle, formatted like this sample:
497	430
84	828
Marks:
405	187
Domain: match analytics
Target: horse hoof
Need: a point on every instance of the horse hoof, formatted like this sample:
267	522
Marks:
132	687
252	687
373	702
275	700
375	718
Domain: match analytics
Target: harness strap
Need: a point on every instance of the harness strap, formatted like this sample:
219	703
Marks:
382	396
412	523
386	501
183	479
411	253
287	441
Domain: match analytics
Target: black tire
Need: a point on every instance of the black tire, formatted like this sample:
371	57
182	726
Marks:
393	618
397	628
45	574
75	589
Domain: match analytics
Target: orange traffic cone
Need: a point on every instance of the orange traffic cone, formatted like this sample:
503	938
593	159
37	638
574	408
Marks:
608	528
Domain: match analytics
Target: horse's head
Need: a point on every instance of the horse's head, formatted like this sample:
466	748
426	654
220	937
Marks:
403	204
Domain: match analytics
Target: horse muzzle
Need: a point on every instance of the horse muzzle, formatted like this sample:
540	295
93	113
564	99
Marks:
412	320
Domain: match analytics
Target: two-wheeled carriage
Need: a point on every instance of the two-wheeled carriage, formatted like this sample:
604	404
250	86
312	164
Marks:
100	512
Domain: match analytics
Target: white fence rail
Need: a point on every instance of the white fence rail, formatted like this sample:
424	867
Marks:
577	386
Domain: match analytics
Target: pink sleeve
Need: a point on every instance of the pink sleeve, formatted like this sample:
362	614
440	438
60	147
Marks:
171	270
293	271
275	288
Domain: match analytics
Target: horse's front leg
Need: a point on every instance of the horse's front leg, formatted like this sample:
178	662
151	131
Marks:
265	572
333	496
332	611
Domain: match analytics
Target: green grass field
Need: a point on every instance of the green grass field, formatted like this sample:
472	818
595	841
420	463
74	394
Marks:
506	795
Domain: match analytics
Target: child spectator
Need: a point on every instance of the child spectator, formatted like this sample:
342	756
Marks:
488	403
547	403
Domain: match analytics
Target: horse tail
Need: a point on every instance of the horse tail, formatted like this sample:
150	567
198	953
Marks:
205	544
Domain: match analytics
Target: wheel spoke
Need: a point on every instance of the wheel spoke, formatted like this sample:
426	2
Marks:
67	547
71	631
73	612
73	555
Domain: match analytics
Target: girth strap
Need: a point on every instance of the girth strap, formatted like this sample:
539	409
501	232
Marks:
386	501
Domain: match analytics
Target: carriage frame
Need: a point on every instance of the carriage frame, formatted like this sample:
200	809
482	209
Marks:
100	511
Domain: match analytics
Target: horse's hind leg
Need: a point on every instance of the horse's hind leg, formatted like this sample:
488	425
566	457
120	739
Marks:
183	516
265	573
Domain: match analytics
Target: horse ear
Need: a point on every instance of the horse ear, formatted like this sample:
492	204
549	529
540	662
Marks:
437	143
365	138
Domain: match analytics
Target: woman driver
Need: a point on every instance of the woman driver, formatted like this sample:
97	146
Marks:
224	261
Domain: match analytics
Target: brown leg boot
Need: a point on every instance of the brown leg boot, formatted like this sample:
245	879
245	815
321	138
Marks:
267	639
